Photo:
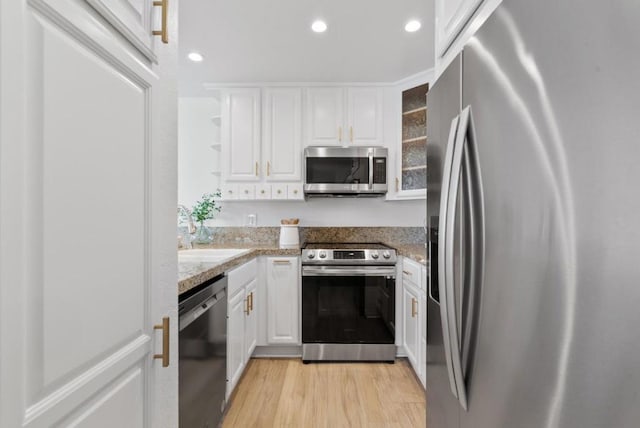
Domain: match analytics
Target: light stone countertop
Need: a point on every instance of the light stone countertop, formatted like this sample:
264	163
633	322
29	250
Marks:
192	274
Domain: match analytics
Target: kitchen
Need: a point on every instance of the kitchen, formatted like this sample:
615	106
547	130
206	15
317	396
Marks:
519	312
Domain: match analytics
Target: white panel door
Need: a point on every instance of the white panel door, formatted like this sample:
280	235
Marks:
132	18
364	116
88	195
241	134
410	303
251	323
283	300
283	134
451	17
238	307
325	116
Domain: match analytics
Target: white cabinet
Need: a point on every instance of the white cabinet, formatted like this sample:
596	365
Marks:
235	339
325	118
283	321
411	321
456	21
414	306
282	142
242	325
364	116
256	162
339	116
241	134
251	326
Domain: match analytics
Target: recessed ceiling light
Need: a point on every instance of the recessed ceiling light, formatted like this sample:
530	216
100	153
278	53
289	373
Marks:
319	26
195	57
412	26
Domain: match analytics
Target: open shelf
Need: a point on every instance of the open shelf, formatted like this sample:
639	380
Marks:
416	110
412	140
414	168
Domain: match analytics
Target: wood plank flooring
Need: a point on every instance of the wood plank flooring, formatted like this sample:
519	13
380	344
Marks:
287	393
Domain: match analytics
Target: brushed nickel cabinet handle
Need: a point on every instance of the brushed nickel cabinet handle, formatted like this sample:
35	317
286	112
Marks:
257	166
414	311
268	168
251	301
163	33
281	262
246	306
397	184
165	342
340	133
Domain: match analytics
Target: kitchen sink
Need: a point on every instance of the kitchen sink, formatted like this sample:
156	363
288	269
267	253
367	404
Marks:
209	254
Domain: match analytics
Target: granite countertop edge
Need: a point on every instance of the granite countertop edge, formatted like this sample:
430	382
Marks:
190	274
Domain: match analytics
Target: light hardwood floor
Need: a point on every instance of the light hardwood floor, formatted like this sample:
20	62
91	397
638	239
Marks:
287	393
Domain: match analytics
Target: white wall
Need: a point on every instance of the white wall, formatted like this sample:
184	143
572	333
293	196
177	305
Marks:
197	160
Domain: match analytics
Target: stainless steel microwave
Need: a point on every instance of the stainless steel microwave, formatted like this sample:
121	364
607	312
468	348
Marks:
345	171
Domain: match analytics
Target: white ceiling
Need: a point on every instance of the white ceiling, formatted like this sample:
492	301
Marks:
245	41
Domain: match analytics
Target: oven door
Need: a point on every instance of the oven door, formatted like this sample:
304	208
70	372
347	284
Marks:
348	304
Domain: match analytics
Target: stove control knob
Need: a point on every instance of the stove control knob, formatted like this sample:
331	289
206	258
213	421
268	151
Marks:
386	254
323	255
311	255
374	255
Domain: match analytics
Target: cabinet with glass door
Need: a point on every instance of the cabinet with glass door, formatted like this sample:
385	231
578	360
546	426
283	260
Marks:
411	180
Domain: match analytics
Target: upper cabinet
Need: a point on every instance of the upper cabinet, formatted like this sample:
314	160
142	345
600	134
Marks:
413	152
456	22
282	154
339	116
241	134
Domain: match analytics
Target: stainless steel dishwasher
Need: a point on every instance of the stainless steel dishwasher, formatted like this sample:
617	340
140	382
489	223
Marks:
203	354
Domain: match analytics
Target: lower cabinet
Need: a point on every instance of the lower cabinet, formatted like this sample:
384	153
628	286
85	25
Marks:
242	325
411	324
414	319
283	321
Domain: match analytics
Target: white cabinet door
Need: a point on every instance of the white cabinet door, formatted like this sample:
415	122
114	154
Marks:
451	17
241	134
283	324
364	116
87	165
325	117
251	323
410	302
238	307
131	19
282	155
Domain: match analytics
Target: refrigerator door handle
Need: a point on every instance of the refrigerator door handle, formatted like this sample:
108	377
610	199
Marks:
465	144
442	261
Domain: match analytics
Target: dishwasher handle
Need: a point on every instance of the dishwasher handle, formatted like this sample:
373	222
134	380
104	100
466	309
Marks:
199	310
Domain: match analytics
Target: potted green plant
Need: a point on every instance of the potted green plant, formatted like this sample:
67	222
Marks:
205	209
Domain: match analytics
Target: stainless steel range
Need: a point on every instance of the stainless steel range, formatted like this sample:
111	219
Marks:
348	302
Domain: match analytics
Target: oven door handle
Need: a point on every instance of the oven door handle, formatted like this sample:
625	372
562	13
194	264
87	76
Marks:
348	271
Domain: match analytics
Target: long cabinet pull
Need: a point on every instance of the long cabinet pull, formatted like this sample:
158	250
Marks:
397	184
247	309
163	33
442	277
414	312
351	134
406	272
251	301
268	168
165	342
340	133
281	262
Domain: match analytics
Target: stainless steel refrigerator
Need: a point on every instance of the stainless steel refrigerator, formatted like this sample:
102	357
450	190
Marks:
533	201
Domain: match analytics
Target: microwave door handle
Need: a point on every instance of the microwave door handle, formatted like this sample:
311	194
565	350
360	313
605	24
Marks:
370	170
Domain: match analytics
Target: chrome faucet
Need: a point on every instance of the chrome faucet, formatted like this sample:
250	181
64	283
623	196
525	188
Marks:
186	227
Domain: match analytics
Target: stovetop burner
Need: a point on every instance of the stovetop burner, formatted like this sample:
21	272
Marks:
350	253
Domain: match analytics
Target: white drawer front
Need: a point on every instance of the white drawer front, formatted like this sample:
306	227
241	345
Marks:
241	276
412	272
294	191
